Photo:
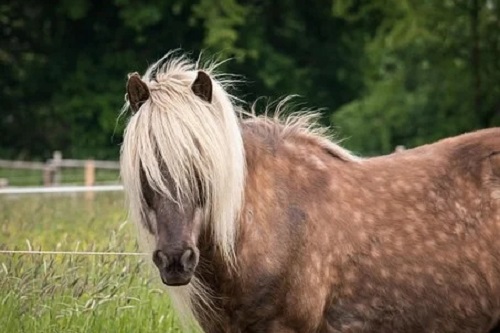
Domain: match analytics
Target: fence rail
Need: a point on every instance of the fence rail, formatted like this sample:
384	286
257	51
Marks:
109	165
60	189
81	253
22	165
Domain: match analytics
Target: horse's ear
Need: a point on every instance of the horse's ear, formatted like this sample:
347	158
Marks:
137	91
202	86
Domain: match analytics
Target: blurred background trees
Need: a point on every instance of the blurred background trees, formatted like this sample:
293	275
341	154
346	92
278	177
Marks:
385	72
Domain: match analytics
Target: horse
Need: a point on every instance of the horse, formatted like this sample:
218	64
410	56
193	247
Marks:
264	224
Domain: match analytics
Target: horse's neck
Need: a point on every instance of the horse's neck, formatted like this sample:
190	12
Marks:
260	144
221	278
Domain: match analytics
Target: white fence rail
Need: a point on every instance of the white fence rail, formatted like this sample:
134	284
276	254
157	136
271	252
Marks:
60	189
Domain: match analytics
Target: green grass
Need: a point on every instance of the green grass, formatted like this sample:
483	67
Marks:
70	293
23	177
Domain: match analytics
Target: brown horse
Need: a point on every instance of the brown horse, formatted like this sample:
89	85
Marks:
262	225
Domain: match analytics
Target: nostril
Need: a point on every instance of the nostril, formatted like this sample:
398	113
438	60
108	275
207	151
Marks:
188	259
160	259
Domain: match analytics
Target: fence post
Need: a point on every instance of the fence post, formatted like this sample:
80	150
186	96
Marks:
47	175
89	173
56	167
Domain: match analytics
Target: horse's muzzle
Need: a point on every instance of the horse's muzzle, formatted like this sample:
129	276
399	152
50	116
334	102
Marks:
176	267
175	280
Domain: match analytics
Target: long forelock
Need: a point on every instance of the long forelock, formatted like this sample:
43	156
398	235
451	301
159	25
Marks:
194	140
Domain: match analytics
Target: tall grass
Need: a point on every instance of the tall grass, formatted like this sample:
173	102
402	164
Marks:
71	293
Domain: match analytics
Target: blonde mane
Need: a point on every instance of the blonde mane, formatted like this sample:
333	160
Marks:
284	122
192	139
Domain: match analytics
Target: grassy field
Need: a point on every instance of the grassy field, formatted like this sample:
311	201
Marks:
69	293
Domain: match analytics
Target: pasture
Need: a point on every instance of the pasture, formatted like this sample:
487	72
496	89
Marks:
75	293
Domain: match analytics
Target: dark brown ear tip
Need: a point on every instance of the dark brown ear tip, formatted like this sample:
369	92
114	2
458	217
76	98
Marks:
202	86
204	75
137	91
134	79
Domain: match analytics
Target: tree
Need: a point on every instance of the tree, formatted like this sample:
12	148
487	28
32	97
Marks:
66	65
430	64
398	72
65	69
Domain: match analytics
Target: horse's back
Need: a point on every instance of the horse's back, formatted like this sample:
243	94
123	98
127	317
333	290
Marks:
424	225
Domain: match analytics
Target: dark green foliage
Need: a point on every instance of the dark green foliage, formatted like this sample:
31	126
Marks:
433	71
386	72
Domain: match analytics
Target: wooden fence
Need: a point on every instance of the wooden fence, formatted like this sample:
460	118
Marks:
52	168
